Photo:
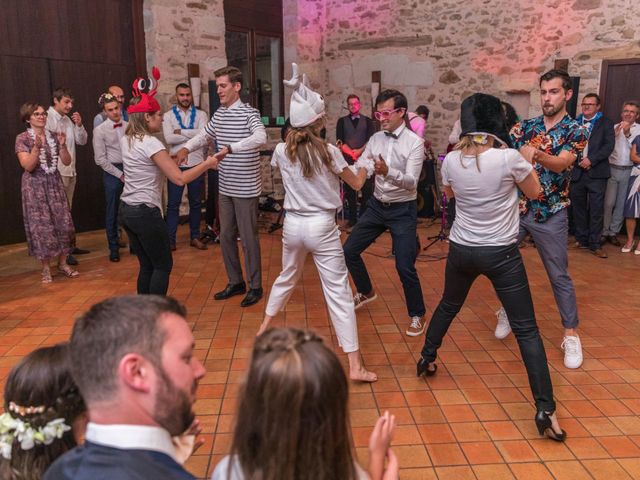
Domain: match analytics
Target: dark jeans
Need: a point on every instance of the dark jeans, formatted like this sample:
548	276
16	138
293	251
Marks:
212	204
149	238
112	190
504	267
587	200
351	196
401	220
194	192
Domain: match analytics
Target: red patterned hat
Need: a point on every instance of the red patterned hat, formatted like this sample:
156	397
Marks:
147	104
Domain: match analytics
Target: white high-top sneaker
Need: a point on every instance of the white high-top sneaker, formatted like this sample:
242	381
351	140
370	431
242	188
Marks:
503	329
572	351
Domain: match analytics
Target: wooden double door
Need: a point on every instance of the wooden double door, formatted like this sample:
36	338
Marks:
85	46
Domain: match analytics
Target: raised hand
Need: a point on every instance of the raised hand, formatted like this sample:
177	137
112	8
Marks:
76	118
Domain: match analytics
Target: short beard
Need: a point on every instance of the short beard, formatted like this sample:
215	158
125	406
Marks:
182	104
554	110
173	410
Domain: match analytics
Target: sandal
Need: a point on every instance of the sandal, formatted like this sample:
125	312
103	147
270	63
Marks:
46	276
68	271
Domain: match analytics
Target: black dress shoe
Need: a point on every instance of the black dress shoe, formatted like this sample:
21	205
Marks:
613	240
543	422
253	296
423	368
230	291
114	256
80	251
71	260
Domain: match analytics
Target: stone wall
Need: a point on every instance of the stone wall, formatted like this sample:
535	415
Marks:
439	51
178	32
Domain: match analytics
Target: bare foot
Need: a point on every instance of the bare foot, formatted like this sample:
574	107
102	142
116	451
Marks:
263	327
363	375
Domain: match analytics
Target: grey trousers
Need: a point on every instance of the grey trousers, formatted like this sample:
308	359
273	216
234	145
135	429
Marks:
614	200
551	238
240	216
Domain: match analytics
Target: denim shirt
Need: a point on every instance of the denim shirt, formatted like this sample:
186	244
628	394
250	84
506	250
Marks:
566	135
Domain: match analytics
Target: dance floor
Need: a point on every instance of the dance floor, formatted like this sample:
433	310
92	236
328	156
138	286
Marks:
473	420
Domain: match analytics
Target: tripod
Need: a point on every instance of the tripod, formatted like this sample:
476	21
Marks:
441	236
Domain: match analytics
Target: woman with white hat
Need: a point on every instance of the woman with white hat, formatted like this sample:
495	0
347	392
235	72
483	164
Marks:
311	170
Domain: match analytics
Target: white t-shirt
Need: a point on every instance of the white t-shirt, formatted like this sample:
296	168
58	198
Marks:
142	177
319	193
486	200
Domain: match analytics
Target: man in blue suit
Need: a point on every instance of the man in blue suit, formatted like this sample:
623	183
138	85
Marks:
589	176
132	359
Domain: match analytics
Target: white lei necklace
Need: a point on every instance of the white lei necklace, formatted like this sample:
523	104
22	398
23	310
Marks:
49	169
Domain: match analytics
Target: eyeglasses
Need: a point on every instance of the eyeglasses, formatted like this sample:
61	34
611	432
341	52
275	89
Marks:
385	114
588	104
39	114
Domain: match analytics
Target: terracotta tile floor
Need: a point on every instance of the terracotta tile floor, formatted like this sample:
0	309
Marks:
473	420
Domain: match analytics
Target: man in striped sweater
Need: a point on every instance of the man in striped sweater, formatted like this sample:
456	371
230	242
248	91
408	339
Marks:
236	130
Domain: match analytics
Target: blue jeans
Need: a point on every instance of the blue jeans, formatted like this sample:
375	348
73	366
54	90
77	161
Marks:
503	266
112	190
401	220
194	192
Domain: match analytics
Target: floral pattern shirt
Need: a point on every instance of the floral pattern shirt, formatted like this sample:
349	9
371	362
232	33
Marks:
566	135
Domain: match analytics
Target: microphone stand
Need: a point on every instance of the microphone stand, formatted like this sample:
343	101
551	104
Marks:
441	236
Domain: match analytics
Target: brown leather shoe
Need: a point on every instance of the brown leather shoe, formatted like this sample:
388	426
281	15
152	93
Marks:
600	253
197	243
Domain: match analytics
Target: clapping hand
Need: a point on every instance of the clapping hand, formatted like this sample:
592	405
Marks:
186	444
381	167
380	448
62	138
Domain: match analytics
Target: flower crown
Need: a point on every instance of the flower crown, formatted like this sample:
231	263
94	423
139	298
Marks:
107	98
147	104
14	428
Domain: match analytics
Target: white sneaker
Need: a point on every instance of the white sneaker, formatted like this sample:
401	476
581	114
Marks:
416	327
360	299
572	351
503	329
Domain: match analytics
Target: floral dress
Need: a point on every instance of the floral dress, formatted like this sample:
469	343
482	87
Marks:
47	219
632	200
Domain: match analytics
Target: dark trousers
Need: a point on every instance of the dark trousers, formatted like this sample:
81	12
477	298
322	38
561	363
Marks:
112	190
211	204
194	193
351	196
587	200
149	238
401	220
504	267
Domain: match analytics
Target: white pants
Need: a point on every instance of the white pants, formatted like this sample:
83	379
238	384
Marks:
317	234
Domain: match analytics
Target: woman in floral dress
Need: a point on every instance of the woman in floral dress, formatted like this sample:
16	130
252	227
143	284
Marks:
47	220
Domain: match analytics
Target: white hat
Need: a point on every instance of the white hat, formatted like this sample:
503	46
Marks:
306	105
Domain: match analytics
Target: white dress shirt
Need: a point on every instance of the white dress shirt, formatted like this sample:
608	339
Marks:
75	136
177	141
106	146
621	155
131	437
404	156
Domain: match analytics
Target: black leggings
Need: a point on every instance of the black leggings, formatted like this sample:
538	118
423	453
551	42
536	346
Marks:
504	267
149	237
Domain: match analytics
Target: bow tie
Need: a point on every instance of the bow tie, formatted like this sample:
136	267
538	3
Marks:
116	125
389	134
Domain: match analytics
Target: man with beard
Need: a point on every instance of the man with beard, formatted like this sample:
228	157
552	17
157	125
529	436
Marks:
551	142
132	359
181	123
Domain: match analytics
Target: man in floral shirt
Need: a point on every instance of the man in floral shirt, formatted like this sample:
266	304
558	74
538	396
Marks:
552	142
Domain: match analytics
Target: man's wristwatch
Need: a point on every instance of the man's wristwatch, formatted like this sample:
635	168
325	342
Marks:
228	147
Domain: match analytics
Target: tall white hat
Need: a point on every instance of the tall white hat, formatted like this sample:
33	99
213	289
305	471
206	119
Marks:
306	105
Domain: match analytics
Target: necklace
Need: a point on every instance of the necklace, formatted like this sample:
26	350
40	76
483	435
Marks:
192	117
48	168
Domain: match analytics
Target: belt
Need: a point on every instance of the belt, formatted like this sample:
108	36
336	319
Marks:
392	204
621	167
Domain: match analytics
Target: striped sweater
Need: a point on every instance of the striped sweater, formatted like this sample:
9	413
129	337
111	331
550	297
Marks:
238	126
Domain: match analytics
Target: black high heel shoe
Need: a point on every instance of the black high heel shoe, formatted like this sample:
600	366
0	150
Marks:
543	422
423	368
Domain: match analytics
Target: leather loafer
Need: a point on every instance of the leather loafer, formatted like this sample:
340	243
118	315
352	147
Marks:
253	296
231	290
196	243
114	256
71	260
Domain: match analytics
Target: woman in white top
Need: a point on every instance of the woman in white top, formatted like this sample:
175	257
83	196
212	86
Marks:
146	165
484	177
311	170
293	417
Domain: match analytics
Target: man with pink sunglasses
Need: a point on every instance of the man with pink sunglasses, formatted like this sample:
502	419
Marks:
397	154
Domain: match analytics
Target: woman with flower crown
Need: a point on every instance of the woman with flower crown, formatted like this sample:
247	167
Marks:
47	220
45	415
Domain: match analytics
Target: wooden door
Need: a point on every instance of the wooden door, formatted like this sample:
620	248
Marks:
619	82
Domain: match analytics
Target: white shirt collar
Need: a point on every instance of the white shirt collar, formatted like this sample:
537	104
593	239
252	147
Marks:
54	112
131	437
235	104
399	130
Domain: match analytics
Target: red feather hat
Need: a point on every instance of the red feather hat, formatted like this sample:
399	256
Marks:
147	104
